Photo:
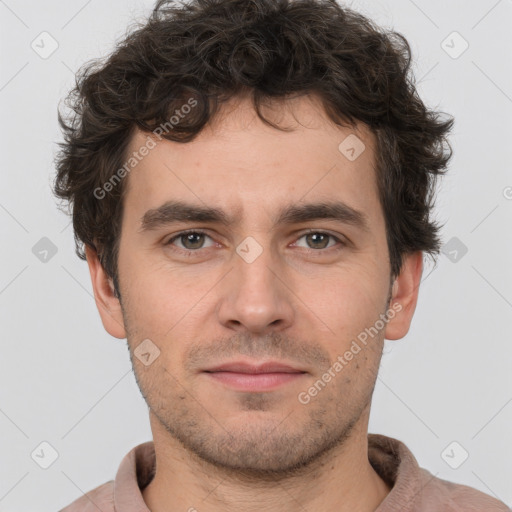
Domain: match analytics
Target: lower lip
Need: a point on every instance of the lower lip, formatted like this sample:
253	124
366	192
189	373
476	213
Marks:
255	381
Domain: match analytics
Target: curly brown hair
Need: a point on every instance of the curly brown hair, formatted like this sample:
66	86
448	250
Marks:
213	50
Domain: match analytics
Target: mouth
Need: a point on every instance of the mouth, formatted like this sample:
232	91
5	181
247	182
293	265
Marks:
254	377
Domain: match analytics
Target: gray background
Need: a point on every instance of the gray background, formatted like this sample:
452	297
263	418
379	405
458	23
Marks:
65	381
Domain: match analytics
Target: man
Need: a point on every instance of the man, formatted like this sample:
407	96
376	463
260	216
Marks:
251	183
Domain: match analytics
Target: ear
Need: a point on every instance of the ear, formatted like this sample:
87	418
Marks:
107	303
404	296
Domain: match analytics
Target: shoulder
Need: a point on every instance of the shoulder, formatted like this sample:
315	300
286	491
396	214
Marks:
448	496
416	488
100	498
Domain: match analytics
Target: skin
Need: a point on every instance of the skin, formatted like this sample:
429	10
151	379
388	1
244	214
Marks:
300	301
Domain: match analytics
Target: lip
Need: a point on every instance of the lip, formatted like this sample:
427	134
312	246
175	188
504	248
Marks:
254	377
255	368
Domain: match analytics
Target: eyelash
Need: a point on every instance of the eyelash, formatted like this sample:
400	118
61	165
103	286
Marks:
190	252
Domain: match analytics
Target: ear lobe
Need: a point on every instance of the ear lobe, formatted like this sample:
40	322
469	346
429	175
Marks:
107	303
404	296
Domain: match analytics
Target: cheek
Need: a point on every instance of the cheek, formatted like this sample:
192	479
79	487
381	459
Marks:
157	294
348	302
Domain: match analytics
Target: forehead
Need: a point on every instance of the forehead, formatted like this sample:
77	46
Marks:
238	162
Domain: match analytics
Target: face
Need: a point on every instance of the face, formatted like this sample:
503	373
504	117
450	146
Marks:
286	264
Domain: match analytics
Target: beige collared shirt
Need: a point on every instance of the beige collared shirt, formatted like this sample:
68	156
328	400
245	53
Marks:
414	489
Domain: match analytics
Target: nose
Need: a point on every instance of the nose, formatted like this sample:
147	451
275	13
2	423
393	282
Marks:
256	296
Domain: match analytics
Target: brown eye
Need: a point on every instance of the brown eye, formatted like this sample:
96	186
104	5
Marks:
317	240
189	240
192	240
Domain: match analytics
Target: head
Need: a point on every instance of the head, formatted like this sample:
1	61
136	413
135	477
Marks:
289	139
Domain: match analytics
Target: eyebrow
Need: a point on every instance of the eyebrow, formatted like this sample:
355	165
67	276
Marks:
178	211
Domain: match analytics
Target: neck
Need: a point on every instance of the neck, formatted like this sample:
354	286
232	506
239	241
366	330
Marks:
341	480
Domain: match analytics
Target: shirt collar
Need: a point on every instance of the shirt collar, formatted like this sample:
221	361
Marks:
390	458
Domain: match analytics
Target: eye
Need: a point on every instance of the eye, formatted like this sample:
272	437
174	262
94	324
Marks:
191	240
319	240
194	239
